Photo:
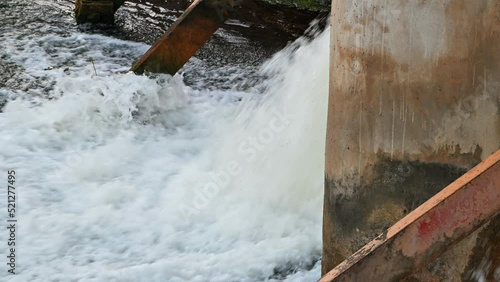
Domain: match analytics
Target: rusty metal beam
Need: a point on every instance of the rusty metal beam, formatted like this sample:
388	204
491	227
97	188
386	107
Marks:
426	233
186	35
181	41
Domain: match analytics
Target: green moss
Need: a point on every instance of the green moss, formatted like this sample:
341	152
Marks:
313	5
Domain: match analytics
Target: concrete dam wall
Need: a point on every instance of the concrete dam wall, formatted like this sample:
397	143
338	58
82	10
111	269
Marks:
414	103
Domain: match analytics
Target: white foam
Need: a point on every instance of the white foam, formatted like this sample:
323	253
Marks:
115	174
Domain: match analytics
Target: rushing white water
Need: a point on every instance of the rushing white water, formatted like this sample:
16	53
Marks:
128	178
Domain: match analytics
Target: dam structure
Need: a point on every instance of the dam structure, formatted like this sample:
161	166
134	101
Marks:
255	140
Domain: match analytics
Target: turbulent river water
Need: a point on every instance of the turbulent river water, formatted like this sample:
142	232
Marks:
213	177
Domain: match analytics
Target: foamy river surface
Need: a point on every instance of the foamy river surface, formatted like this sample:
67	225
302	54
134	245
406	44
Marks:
213	177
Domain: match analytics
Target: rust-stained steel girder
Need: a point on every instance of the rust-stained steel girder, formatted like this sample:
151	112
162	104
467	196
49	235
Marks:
186	35
470	202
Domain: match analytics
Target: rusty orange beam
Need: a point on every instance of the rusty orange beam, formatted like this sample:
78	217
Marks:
427	232
186	35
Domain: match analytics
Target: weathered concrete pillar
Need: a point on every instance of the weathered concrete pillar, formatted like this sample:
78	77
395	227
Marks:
96	11
414	103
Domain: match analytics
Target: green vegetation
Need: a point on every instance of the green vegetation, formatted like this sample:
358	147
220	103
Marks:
313	5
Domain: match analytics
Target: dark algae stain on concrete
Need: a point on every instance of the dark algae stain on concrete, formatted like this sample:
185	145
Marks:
399	187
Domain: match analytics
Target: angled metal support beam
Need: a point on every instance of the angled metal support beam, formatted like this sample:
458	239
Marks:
471	202
186	35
